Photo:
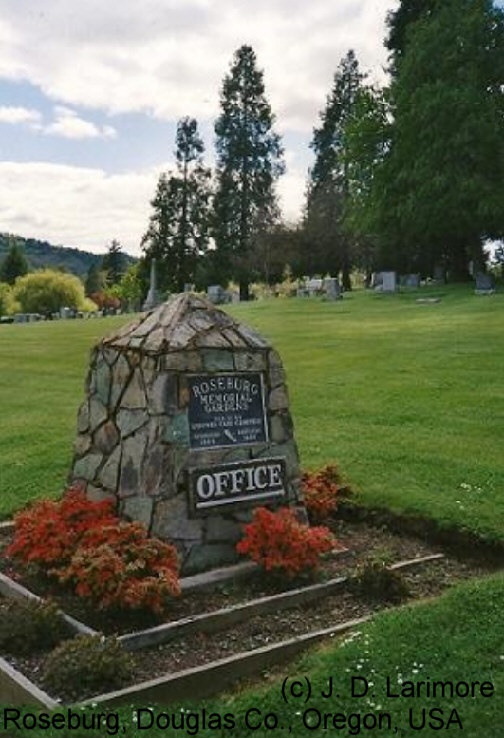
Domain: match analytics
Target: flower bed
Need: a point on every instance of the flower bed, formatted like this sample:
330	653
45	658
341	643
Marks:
263	633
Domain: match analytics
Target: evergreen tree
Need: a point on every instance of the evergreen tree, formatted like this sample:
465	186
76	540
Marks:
95	279
400	22
113	263
367	133
249	161
329	181
441	188
14	264
178	229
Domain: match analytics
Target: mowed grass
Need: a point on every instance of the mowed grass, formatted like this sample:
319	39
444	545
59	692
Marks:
457	639
408	398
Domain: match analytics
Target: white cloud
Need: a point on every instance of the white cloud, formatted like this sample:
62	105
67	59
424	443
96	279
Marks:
165	58
168	57
69	125
83	207
75	206
14	115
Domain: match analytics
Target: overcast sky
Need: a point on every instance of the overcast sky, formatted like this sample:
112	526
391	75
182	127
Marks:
90	95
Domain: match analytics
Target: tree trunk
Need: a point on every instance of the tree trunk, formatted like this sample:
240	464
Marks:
244	291
345	277
458	267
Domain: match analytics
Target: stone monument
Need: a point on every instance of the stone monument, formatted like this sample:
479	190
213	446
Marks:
484	284
186	425
332	288
152	298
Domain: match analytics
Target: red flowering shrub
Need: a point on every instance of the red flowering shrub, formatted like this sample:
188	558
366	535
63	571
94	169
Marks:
280	543
48	532
83	543
322	490
119	566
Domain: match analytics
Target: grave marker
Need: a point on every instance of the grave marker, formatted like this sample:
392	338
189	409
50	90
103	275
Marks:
485	284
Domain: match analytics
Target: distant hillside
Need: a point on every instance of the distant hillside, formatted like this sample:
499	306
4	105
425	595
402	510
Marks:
41	254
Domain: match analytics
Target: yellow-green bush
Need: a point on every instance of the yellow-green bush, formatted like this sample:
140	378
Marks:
7	302
48	290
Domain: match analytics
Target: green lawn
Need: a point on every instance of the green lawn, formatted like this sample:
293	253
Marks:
459	638
408	398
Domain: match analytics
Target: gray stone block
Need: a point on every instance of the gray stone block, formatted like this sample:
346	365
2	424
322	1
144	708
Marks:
129	421
82	444
83	417
102	381
217	360
98	494
87	467
120	377
220	529
109	475
276	376
138	508
208	556
134	396
278	429
170	521
106	437
246	361
97	413
162	396
278	399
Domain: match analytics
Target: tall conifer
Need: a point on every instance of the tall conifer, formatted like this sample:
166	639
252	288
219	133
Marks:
249	161
178	229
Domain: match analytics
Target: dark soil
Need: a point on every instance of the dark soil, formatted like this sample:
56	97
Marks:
424	580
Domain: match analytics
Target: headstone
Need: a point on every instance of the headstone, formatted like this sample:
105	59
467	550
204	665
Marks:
384	281
189	287
389	283
218	295
21	318
485	284
376	280
315	286
332	288
410	280
439	274
186	423
152	298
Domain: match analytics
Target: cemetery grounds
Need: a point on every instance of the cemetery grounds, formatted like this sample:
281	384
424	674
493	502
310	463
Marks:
408	398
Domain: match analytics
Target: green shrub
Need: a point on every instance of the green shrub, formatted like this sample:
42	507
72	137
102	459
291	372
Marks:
373	580
48	291
31	625
86	665
7	303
